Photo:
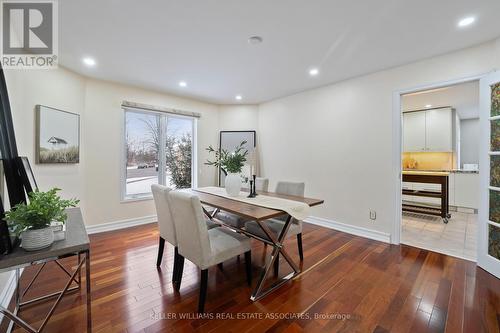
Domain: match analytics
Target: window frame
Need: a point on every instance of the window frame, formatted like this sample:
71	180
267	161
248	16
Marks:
164	116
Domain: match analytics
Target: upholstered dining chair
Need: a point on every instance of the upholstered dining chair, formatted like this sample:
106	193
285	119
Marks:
201	246
166	224
277	224
261	185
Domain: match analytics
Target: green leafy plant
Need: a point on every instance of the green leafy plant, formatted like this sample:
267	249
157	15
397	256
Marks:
178	151
231	162
42	209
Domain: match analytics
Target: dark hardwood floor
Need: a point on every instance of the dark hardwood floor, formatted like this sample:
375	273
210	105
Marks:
348	284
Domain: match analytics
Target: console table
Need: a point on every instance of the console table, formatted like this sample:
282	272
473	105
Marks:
76	244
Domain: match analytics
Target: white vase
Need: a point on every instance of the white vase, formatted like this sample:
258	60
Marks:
233	184
37	239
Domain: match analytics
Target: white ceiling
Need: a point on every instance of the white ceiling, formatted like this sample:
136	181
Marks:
462	97
157	43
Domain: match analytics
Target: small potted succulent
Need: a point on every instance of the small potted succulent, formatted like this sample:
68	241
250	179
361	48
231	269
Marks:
32	220
232	163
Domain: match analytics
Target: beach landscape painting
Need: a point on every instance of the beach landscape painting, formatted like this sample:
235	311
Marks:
58	136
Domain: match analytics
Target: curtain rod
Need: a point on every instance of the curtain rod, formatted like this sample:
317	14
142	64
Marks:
148	107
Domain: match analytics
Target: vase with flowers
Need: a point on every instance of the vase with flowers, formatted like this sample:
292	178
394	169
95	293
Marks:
231	163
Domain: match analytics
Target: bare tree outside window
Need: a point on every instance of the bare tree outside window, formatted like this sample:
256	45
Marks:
143	137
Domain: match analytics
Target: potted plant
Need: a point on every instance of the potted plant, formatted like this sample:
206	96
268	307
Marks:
231	163
32	221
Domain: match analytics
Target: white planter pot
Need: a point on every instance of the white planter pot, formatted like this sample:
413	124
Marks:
37	239
233	184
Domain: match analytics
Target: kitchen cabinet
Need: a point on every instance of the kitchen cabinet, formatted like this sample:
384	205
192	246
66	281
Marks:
429	131
467	190
439	130
414	131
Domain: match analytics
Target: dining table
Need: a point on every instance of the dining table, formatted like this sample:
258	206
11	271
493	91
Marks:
252	211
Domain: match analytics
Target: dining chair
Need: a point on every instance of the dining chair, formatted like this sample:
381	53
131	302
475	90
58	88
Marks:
261	185
166	224
202	246
277	224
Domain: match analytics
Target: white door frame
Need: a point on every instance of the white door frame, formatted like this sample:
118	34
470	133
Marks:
484	260
397	143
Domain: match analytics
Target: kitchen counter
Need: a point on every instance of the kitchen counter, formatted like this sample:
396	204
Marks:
449	171
426	173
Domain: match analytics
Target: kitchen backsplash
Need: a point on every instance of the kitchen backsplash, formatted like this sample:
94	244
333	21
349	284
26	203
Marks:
429	161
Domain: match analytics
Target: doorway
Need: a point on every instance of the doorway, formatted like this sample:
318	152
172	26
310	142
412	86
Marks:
439	163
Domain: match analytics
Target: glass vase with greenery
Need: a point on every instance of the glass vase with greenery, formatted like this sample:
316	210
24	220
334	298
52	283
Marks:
231	162
42	209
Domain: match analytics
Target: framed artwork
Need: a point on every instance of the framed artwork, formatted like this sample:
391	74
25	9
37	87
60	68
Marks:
229	140
57	136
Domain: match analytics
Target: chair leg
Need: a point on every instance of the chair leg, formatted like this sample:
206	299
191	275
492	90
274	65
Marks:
203	290
248	265
221	266
299	244
277	265
180	269
161	246
176	265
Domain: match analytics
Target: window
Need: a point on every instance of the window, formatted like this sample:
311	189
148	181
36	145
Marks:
159	149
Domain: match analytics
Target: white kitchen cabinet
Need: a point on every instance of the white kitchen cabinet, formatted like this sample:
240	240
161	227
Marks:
451	189
467	190
429	131
439	130
414	131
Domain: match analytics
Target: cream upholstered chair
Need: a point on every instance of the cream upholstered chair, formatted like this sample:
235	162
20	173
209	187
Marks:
166	224
261	185
277	224
203	247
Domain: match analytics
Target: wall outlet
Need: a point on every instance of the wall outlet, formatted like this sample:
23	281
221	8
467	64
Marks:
373	215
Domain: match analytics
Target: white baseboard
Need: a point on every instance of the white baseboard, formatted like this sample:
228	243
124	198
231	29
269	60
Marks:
350	229
116	225
8	291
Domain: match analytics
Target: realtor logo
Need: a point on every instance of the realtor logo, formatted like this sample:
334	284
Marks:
29	34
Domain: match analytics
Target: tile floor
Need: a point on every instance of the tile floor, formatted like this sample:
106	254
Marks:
457	238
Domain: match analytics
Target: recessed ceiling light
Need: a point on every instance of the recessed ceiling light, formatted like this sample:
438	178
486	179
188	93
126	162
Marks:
313	71
466	21
238	97
89	61
183	84
428	106
255	40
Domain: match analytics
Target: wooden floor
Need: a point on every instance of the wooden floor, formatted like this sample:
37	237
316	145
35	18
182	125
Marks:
348	284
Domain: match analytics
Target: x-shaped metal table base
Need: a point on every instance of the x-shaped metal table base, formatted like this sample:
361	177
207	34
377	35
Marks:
277	244
19	303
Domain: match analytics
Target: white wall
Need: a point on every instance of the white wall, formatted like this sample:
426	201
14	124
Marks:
104	146
464	98
60	89
338	138
96	179
469	141
238	117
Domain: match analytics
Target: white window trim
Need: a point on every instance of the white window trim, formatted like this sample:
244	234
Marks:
124	198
